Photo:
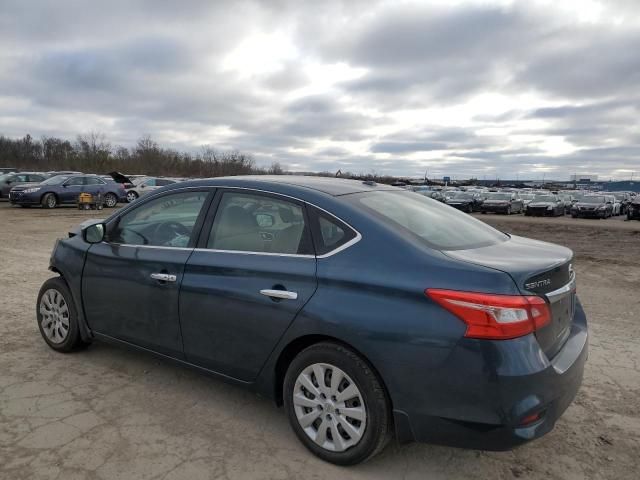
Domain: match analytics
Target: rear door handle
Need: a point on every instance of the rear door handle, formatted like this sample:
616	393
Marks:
164	277
283	294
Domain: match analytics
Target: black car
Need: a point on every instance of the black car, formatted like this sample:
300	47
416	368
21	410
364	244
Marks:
592	206
633	208
545	205
456	333
502	202
467	202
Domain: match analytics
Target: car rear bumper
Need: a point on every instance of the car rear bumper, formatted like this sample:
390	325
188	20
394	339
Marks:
514	381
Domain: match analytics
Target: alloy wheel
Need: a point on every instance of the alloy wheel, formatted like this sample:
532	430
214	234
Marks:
110	200
131	197
51	201
329	407
55	316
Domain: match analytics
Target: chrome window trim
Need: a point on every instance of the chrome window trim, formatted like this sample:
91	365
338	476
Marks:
339	249
159	247
244	252
565	290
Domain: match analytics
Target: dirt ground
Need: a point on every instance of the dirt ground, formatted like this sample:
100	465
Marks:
108	413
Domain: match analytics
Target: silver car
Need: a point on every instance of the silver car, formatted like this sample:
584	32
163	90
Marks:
143	185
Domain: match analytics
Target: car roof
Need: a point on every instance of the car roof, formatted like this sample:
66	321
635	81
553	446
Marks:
327	185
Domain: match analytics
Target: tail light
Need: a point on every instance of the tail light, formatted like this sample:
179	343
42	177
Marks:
495	317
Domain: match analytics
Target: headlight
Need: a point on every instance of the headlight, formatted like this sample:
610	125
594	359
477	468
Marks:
602	208
31	190
549	207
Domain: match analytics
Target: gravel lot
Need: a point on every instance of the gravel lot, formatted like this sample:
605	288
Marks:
109	413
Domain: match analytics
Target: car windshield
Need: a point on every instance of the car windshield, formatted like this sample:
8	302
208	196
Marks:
499	196
592	200
5	176
437	225
57	180
619	196
462	196
527	196
544	198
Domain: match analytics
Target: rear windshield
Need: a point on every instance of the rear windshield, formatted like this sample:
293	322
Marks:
499	196
438	225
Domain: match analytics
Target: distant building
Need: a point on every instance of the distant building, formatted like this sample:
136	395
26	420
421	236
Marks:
582	178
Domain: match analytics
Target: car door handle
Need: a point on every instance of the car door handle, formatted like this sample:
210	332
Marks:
164	277
282	294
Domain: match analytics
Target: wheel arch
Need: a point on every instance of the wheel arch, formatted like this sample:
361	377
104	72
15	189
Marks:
295	346
47	193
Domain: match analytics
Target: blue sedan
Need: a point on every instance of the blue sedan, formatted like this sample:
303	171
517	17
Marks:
365	310
65	189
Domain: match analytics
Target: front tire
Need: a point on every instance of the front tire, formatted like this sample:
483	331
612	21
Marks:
57	316
49	200
336	405
132	196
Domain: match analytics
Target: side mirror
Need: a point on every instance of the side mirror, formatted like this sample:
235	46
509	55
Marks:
265	220
94	233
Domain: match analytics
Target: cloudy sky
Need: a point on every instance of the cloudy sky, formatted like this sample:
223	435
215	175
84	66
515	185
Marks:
461	88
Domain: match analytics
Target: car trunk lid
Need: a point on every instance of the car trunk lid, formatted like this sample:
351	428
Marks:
538	268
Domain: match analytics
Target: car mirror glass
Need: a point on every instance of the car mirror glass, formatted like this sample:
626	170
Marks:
94	233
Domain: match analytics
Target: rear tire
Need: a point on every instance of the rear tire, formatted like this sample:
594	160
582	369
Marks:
49	200
323	411
57	316
132	196
110	200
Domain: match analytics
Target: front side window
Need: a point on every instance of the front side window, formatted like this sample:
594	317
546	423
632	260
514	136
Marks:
439	226
167	221
259	224
75	181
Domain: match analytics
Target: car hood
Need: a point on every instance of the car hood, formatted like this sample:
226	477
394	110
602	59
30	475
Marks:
520	257
541	204
594	205
457	202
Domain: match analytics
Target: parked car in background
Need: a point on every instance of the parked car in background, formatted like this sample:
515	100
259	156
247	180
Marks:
545	205
502	202
526	198
616	207
64	189
10	180
465	201
624	199
567	200
435	194
633	208
142	186
268	282
4	170
592	206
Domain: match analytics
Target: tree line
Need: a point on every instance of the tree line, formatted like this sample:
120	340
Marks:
92	153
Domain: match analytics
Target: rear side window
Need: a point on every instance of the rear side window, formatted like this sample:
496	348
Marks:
162	182
93	181
259	224
329	233
438	225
